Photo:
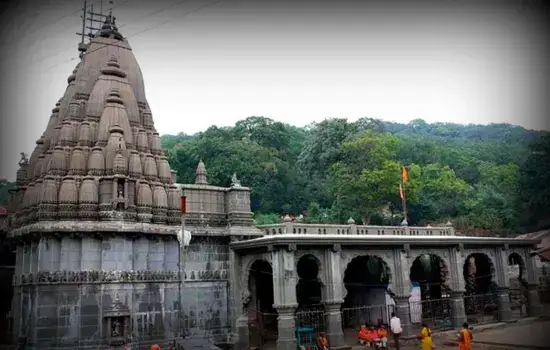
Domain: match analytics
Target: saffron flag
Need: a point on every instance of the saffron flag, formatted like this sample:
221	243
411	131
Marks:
404	174
401	192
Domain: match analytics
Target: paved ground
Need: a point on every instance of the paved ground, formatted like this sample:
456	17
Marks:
527	334
534	335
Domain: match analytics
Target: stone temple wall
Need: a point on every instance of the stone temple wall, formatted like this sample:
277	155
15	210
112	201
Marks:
206	290
66	287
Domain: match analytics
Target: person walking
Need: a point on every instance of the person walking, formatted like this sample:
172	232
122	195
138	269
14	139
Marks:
425	338
465	338
396	330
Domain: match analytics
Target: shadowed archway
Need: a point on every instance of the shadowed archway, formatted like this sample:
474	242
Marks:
430	294
481	294
309	287
262	317
366	280
518	285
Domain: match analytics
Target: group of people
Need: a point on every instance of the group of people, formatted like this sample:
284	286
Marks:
464	338
377	337
369	335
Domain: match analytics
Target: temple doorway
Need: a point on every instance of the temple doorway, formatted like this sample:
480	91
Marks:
262	317
481	294
367	301
309	294
430	292
518	285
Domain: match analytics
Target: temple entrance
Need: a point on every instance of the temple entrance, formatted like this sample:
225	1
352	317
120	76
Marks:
310	311
262	317
430	294
367	300
518	285
481	294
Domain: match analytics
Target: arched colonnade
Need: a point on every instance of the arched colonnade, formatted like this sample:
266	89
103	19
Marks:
337	288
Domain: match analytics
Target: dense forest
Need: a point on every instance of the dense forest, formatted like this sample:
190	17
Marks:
482	178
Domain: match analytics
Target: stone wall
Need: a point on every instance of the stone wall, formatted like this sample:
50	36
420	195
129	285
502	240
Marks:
206	290
66	286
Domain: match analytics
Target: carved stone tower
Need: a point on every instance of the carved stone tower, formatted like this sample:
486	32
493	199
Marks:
97	214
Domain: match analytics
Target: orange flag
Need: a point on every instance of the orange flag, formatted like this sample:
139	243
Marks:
401	192
404	174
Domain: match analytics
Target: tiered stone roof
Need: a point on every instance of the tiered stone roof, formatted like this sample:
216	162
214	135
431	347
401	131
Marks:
100	157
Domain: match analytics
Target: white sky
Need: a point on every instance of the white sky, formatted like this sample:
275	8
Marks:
296	62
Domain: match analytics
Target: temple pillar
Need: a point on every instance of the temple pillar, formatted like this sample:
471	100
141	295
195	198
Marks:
286	327
534	306
238	305
457	308
284	288
403	311
333	297
335	334
504	310
243	333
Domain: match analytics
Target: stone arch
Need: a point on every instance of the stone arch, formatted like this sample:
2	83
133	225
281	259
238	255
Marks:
248	261
479	274
366	280
517	275
310	286
481	299
262	317
431	272
320	264
515	259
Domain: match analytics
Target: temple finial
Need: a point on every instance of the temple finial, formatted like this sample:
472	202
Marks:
200	174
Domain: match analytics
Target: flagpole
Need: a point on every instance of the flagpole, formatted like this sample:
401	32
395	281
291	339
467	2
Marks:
404	178
404	203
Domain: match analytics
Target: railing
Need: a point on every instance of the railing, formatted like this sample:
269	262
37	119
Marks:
354	317
436	313
314	319
262	327
481	308
305	229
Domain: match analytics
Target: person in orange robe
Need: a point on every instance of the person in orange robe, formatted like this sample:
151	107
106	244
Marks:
155	347
465	338
383	336
322	341
364	336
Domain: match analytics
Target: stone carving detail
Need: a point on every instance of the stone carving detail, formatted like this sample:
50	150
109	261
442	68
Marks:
407	250
235	181
292	247
461	250
337	248
96	276
24	159
271	248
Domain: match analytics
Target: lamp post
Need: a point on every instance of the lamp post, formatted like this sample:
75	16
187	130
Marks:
184	239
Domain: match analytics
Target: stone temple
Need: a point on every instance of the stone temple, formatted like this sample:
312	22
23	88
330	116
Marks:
95	218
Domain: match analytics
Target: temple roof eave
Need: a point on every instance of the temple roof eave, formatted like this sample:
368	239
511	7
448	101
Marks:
375	240
119	227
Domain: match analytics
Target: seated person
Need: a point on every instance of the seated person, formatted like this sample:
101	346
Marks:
322	341
367	335
383	336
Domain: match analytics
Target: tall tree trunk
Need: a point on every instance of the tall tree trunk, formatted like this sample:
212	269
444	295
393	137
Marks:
366	219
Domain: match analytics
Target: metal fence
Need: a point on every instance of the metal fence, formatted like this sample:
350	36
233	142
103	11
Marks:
436	313
354	317
314	319
481	308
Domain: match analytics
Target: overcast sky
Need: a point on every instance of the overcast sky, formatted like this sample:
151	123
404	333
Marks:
463	61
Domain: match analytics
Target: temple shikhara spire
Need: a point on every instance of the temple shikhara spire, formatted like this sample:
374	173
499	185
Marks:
95	207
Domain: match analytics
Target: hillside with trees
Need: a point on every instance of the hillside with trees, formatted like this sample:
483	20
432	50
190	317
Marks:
483	178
